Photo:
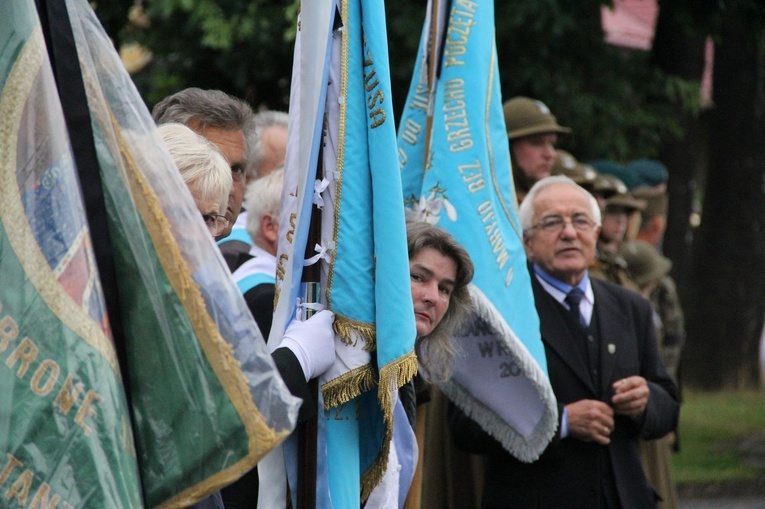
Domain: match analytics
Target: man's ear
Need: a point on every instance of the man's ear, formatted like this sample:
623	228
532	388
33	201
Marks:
269	227
659	224
527	244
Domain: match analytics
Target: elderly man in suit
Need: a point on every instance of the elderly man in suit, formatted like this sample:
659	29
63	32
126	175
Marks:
603	364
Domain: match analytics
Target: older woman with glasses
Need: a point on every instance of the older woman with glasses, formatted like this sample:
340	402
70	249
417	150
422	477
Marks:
204	170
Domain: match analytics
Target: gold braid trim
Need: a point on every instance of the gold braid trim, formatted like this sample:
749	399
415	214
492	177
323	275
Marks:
19	86
347	386
392	376
345	327
217	351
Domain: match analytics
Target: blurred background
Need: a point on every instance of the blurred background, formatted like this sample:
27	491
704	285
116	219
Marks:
681	81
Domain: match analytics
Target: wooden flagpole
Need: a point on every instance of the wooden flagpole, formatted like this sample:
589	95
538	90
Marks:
308	429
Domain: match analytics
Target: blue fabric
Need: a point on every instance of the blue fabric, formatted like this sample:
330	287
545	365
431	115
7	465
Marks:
370	270
462	182
405	442
253	280
238	234
467	187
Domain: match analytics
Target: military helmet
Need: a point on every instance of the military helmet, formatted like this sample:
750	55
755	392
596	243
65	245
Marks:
644	262
524	117
625	201
566	164
608	185
656	201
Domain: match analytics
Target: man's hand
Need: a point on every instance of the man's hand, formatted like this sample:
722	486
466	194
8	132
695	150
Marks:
590	420
630	396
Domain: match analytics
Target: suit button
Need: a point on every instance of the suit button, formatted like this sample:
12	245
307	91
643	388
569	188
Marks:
590	338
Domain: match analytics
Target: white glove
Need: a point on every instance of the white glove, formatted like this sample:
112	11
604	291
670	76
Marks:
312	342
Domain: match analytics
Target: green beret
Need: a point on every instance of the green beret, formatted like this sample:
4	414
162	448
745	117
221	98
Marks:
618	170
649	172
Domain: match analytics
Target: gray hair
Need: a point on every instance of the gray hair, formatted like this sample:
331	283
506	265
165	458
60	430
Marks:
437	346
262	121
264	196
526	210
202	167
212	108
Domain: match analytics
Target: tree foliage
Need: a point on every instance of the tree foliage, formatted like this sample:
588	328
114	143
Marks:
243	48
552	50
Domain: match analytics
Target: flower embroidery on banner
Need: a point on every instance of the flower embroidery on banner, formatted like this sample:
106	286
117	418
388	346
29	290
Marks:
428	208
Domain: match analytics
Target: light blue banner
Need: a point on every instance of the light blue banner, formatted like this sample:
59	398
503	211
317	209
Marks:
462	182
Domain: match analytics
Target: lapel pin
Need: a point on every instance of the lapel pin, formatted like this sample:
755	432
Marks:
611	348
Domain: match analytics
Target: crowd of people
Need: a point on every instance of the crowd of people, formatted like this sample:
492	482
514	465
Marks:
610	318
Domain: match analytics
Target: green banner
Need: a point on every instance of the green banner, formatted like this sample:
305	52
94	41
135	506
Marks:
65	434
205	397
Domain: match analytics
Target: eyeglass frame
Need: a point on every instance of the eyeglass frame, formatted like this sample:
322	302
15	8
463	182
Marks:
217	219
586	226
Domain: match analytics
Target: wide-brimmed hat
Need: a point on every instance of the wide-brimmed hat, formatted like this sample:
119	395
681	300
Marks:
625	201
566	164
644	262
524	117
608	185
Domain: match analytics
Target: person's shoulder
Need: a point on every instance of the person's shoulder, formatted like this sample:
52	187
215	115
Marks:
667	285
617	292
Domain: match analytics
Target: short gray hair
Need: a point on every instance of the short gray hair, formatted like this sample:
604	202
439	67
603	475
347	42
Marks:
262	121
264	196
201	165
526	210
213	108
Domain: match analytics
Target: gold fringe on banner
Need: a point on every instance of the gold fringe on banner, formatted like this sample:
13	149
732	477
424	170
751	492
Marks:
392	376
345	328
347	386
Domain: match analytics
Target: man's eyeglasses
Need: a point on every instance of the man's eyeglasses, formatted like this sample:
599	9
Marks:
555	224
216	223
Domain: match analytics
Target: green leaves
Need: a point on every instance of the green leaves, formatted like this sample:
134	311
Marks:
618	105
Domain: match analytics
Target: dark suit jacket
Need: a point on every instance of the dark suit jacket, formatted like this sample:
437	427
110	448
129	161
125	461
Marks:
569	473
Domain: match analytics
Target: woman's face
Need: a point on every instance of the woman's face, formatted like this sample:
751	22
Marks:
432	276
210	210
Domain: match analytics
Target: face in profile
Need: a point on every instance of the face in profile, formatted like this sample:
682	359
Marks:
614	224
432	276
535	155
231	144
210	210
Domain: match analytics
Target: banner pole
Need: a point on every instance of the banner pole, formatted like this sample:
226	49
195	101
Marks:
308	429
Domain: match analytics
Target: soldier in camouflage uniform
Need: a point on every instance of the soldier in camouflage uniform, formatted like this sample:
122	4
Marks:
667	303
664	297
532	131
609	264
649	270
